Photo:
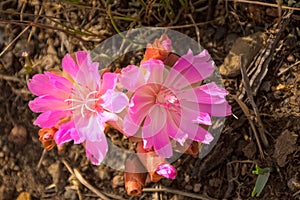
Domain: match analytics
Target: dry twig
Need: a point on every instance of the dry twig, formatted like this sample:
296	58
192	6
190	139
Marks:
264	4
247	86
186	194
246	111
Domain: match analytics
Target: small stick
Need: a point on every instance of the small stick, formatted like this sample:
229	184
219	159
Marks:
287	69
246	111
279	9
264	4
196	29
14	40
187	194
88	185
247	86
41	159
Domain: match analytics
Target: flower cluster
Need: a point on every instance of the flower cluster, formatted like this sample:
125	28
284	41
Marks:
167	107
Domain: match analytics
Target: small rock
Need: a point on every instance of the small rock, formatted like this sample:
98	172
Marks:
197	187
285	145
70	194
16	168
291	58
54	171
187	178
293	184
117	181
18	135
24	196
188	187
248	46
1	154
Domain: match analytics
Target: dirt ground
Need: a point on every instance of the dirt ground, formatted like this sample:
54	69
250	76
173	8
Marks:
47	30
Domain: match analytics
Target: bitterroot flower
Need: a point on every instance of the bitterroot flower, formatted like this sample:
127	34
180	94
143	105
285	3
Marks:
78	102
170	103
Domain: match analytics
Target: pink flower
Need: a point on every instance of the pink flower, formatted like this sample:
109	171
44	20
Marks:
167	171
171	103
79	103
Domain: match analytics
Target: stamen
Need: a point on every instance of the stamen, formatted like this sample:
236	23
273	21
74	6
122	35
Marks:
82	103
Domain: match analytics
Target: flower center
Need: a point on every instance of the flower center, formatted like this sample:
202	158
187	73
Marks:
83	102
167	98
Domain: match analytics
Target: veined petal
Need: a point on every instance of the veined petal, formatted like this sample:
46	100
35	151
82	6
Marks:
50	118
130	128
155	121
66	133
161	144
132	77
88	76
38	83
56	85
114	101
156	70
189	69
47	103
109	81
196	132
141	102
69	65
166	170
89	126
60	83
82	58
96	150
208	94
173	128
106	116
203	118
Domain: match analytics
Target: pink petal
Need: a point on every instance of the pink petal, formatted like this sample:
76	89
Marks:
167	171
47	103
105	116
167	44
82	58
203	118
141	102
69	65
196	132
60	83
155	121
189	69
96	150
156	69
66	133
161	144
88	76
50	118
49	84
173	128
132	77
89	126
209	94
114	101
109	81
38	83
218	110
130	128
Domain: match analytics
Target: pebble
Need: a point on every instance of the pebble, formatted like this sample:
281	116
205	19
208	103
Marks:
187	178
1	154
188	187
18	135
117	181
291	58
197	187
